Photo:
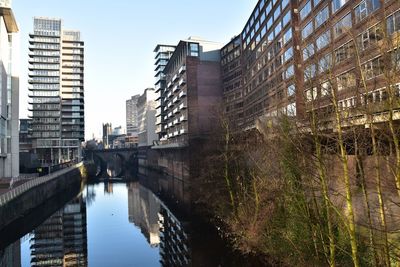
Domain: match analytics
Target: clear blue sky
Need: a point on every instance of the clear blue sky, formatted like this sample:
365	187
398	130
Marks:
120	36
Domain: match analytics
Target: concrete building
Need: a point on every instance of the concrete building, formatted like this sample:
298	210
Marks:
193	91
290	54
163	54
132	116
56	85
146	107
9	92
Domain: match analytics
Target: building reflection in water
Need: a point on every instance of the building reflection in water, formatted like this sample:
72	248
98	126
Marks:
159	225
62	239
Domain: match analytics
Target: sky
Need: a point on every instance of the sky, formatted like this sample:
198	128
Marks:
120	37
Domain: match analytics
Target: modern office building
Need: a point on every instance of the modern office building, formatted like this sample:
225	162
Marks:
192	93
291	54
9	92
258	65
56	85
132	116
163	54
146	108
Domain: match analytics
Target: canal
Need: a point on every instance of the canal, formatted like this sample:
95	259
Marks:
115	223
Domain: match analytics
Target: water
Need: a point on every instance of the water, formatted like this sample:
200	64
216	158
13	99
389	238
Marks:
107	224
116	224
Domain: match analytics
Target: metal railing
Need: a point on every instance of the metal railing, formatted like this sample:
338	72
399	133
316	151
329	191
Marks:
19	190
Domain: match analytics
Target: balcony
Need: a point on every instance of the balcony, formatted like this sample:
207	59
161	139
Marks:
169	84
176	88
170	115
183	131
175	100
182	69
176	122
158	121
170	94
158	113
183	118
176	110
182	82
183	106
175	77
182	94
176	133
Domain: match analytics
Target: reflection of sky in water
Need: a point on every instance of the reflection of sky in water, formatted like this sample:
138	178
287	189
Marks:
112	239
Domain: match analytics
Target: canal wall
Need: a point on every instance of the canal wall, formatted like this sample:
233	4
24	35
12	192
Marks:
21	200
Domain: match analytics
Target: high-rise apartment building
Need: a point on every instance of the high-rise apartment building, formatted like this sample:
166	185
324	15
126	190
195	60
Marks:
9	92
163	54
132	116
193	91
62	239
56	85
292	54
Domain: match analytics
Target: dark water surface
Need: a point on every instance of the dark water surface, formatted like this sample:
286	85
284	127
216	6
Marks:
116	224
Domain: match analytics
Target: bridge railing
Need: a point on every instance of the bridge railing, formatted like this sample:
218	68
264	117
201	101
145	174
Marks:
19	190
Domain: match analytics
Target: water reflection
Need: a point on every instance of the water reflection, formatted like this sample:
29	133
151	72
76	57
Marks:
61	240
116	224
159	225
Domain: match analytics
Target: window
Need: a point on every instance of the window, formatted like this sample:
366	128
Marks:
321	17
337	4
291	109
291	90
268	8
194	50
288	54
342	26
307	30
346	80
287	36
289	72
277	12
263	31
326	88
373	68
370	37
278	29
365	8
308	51
286	19
310	72
323	40
325	63
311	94
344	52
284	4
305	10
262	18
269	23
393	22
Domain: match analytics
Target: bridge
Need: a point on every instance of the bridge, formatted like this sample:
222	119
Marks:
113	162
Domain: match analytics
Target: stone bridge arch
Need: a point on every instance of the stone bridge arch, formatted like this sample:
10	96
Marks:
109	160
